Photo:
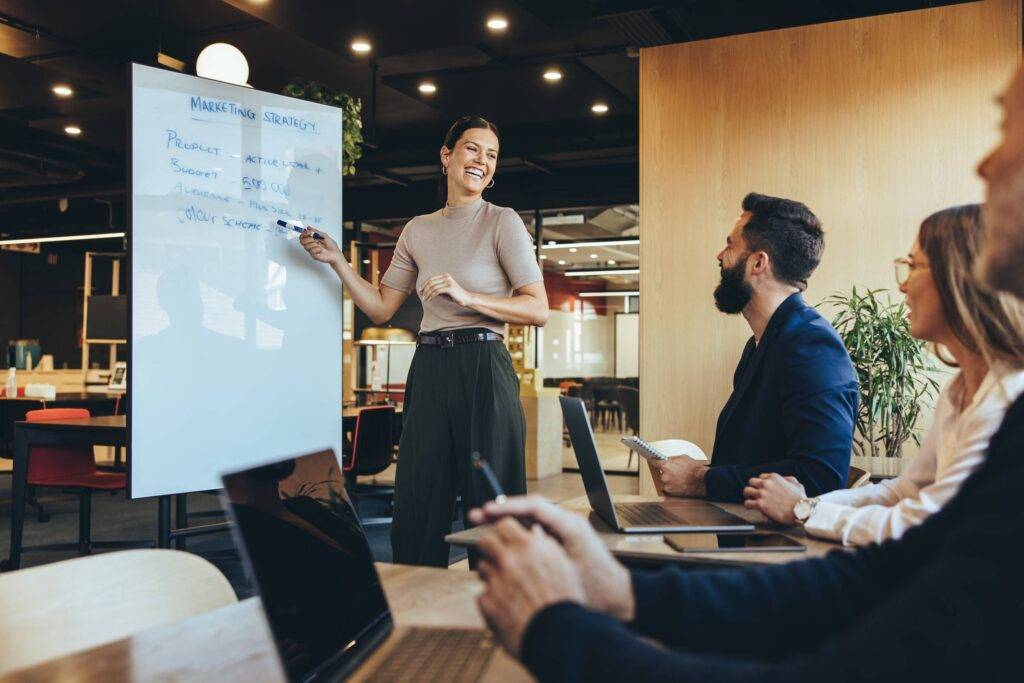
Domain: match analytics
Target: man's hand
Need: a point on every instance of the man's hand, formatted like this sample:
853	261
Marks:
524	571
681	476
445	284
775	496
607	584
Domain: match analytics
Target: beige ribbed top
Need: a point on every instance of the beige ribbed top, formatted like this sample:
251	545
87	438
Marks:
484	247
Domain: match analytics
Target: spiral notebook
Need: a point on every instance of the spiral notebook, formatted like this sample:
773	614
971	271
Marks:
664	449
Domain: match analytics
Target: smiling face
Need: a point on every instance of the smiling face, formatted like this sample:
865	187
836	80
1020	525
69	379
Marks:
471	164
924	303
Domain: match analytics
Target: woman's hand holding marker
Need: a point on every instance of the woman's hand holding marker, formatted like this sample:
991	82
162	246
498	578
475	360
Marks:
324	249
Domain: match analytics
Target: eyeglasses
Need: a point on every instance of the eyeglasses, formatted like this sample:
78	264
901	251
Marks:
904	268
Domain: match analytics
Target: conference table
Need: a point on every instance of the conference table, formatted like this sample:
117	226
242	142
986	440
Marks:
234	643
653	550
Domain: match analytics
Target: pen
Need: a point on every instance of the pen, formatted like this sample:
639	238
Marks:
296	228
490	481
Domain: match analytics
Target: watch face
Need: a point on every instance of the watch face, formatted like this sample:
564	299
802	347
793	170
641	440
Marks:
802	510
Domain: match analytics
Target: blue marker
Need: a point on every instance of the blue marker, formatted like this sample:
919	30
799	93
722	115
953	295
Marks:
296	228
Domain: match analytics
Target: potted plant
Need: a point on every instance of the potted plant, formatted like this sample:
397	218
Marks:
351	124
893	368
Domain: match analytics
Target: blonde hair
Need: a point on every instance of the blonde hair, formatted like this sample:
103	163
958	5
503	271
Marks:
988	323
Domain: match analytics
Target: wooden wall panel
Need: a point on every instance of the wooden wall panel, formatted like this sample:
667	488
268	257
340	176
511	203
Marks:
874	123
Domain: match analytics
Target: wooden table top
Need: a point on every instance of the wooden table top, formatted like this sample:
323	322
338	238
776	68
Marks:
653	548
101	423
234	643
68	396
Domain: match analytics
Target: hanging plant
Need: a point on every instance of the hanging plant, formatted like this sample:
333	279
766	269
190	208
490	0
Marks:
351	123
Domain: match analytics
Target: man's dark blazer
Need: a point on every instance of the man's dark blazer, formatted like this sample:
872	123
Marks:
792	408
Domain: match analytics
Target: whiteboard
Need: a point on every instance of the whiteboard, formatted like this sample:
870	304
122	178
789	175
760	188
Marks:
235	354
627	344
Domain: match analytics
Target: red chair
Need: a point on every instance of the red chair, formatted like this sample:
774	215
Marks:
71	467
369	453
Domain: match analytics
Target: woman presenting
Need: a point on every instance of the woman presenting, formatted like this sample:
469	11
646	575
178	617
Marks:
473	266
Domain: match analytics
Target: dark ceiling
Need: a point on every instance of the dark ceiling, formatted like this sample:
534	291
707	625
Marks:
555	152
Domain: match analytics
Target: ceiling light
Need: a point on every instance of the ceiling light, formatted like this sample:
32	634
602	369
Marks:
61	90
361	46
72	130
552	75
428	88
552	243
64	238
497	23
605	271
573	250
366	261
223	62
561	263
599	108
611	262
594	243
593	256
610	294
543	257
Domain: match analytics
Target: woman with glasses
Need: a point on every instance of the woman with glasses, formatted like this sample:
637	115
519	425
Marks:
978	332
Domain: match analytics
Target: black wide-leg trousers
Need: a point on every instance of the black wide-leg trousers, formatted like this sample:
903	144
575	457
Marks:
458	400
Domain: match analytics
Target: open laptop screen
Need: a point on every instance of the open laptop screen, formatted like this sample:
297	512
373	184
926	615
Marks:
307	554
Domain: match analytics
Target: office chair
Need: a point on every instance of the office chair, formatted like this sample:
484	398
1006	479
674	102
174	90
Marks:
370	453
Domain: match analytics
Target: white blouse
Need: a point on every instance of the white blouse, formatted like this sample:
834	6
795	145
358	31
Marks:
953	448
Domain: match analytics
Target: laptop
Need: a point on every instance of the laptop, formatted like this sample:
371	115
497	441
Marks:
637	518
307	555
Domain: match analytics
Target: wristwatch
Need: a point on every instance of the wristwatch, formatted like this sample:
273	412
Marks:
804	508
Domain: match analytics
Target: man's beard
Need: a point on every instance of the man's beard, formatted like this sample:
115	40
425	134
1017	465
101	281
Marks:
1000	263
733	294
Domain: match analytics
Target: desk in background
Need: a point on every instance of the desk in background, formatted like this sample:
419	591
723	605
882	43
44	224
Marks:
652	549
14	409
94	431
234	643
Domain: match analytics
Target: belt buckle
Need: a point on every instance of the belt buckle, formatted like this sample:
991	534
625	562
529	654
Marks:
447	340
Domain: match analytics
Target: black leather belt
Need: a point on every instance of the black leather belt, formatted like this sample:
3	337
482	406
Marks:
449	339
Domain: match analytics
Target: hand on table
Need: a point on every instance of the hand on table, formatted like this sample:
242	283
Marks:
606	583
524	571
775	496
325	249
445	284
681	475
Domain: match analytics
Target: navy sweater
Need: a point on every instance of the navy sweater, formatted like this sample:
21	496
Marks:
945	602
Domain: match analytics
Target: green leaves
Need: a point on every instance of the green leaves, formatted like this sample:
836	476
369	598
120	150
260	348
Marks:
893	368
351	110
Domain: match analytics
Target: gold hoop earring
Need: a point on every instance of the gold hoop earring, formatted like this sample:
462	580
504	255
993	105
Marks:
444	170
491	184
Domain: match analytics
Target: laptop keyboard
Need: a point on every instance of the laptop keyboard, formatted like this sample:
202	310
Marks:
645	514
430	654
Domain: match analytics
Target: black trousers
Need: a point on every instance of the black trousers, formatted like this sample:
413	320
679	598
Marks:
458	400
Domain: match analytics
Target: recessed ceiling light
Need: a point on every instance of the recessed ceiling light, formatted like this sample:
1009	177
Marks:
543	257
593	256
573	250
599	108
361	46
72	130
552	75
611	262
366	261
428	88
552	243
561	263
62	90
497	23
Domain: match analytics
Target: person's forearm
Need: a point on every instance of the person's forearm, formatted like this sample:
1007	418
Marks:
725	482
365	296
521	309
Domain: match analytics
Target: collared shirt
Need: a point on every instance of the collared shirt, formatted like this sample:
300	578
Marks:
953	448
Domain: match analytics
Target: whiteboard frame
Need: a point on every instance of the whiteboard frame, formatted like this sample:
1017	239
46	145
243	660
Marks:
129	235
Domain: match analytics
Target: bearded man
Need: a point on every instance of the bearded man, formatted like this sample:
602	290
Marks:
795	392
